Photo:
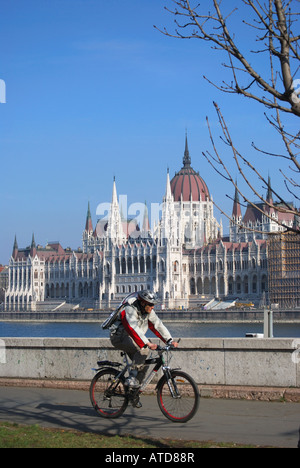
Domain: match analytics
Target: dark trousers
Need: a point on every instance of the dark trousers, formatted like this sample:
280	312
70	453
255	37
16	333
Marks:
121	340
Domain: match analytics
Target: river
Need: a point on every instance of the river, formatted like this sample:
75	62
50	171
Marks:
178	329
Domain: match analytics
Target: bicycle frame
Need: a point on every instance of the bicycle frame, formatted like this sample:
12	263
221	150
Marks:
159	361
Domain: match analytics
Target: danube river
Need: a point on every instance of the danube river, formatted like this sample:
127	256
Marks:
178	329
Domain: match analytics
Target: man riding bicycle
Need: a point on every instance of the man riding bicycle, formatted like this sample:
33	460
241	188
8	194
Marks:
128	333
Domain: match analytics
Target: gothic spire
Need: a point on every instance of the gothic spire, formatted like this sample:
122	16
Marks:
236	212
186	158
114	200
89	224
269	192
146	223
115	228
168	195
15	248
33	247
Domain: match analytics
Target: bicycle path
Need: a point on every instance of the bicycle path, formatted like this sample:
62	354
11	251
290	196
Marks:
243	422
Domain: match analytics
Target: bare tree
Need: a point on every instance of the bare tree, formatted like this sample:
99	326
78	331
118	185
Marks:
275	85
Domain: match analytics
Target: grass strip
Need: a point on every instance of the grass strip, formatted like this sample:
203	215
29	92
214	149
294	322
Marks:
20	436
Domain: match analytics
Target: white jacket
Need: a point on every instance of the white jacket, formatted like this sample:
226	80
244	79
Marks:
137	324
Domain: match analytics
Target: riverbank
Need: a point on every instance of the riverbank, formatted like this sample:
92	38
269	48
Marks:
167	321
288	316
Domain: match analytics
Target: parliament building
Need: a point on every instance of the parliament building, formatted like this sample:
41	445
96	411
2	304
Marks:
184	257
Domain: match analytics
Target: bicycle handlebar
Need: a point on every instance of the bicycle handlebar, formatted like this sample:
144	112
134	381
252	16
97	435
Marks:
167	347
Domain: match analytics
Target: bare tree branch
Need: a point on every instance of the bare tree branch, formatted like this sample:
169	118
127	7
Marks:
275	86
275	20
226	174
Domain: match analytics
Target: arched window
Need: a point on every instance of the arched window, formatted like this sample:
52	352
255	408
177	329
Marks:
135	265
192	286
123	263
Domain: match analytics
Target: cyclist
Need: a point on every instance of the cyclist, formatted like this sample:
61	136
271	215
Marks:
128	333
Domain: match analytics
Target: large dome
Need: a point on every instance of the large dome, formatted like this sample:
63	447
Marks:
187	183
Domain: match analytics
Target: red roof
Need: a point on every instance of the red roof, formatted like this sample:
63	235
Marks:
188	184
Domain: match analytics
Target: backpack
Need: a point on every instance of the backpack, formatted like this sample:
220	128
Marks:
111	319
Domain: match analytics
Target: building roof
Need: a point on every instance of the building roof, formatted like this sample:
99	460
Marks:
187	184
229	246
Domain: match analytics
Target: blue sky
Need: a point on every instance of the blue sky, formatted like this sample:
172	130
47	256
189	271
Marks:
94	92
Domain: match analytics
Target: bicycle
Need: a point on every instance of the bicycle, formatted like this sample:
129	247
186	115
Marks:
177	393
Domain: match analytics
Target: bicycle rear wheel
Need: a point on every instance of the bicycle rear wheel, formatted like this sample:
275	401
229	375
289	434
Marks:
180	401
108	396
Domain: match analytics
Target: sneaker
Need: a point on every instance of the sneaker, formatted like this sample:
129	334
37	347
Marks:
132	382
136	402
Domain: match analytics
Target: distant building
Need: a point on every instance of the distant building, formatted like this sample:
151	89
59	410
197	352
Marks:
260	219
284	269
185	257
3	282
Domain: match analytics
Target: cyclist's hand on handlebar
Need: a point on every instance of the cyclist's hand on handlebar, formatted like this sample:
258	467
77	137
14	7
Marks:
173	344
152	346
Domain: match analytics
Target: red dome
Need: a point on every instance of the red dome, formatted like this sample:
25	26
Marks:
188	183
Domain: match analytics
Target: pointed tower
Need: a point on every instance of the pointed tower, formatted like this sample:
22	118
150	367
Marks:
168	195
15	249
270	210
186	158
146	231
236	211
88	237
114	199
169	229
89	224
115	227
269	192
236	217
33	247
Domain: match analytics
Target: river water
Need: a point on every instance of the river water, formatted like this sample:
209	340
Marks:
177	329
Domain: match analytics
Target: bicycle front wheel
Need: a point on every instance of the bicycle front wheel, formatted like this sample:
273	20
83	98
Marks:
107	394
178	397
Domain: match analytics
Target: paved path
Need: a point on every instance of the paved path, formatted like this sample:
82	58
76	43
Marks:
243	422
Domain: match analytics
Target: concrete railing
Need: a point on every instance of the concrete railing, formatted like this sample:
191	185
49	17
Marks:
215	361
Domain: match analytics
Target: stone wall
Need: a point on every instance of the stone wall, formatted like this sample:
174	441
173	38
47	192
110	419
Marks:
211	361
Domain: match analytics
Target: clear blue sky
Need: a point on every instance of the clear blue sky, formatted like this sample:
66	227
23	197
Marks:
94	92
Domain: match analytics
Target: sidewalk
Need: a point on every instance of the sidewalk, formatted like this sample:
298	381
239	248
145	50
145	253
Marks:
255	423
206	391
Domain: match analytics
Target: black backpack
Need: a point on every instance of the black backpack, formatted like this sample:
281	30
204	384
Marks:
114	315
